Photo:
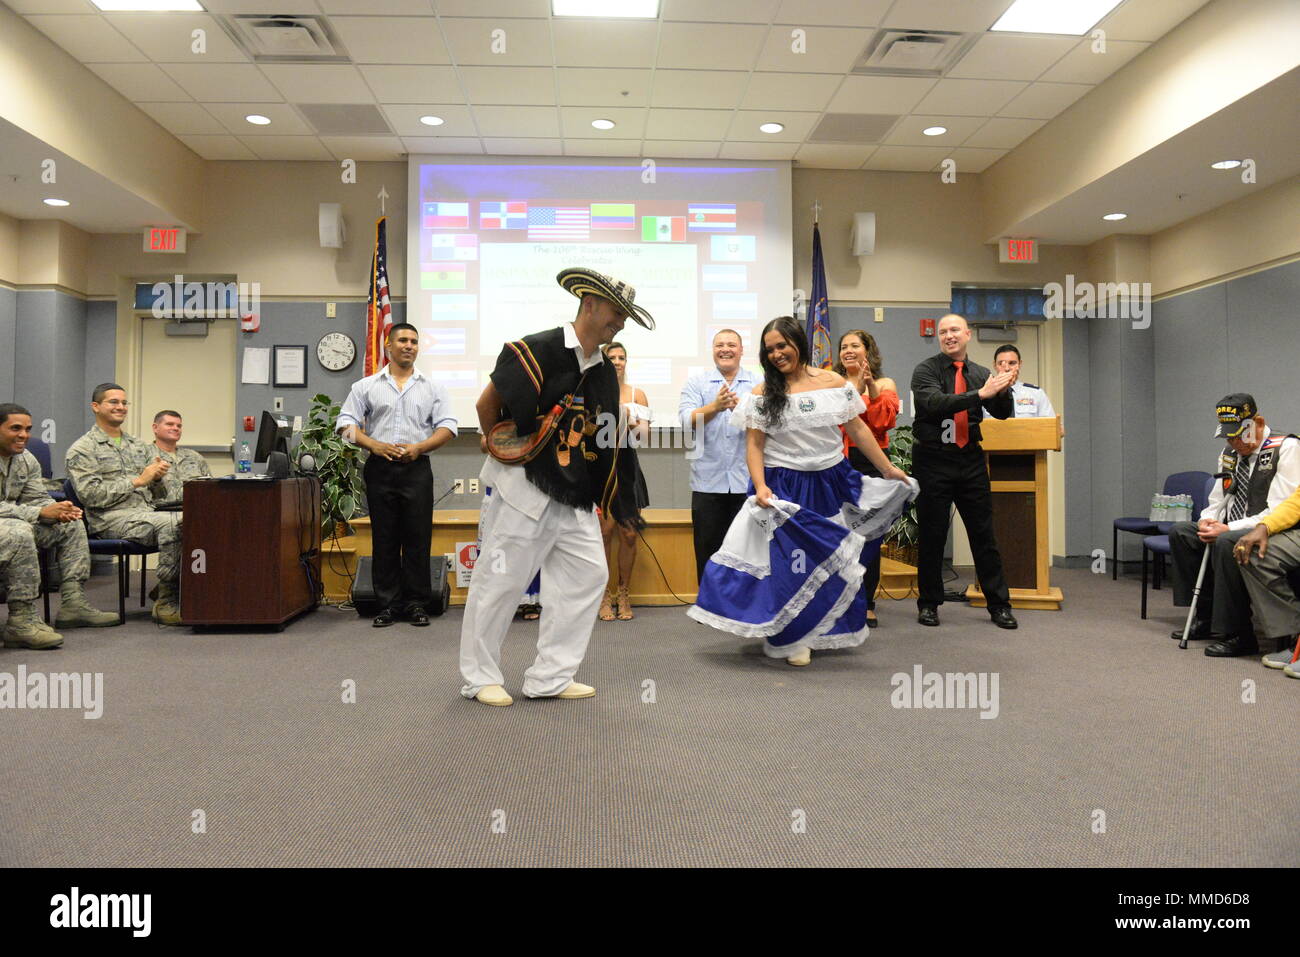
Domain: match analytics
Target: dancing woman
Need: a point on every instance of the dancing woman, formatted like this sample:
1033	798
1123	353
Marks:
637	410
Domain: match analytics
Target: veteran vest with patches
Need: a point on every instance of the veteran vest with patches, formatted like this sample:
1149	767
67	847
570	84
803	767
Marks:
1261	477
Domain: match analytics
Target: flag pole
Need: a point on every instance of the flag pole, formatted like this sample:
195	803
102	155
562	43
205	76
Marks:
817	209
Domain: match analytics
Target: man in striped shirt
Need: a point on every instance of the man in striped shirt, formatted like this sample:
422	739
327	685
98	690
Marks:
399	416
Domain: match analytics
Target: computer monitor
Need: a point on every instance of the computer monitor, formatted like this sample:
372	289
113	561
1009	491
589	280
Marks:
273	437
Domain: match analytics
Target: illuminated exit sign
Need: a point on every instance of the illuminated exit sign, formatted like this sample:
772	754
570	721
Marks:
1017	250
164	239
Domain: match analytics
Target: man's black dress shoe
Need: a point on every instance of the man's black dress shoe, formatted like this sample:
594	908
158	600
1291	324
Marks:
1232	647
384	618
1200	631
928	616
1003	618
417	616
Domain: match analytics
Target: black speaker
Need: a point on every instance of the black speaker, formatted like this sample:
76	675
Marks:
363	587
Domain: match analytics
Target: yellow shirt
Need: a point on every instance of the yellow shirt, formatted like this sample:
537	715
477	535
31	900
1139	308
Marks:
1284	515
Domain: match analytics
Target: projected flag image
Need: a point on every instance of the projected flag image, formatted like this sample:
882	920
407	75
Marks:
449	306
663	229
512	215
454	378
442	275
442	342
729	306
559	223
724	278
711	218
445	216
450	246
736	249
613	216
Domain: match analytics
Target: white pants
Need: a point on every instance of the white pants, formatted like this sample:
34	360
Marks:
565	543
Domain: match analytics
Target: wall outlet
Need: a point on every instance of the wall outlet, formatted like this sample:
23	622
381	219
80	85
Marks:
458	487
297	423
473	486
450	559
331	310
880	314
279	403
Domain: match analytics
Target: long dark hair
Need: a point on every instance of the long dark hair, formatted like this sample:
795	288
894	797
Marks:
875	362
776	391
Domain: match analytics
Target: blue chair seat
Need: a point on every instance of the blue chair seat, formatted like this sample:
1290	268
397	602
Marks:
119	548
1141	526
1194	484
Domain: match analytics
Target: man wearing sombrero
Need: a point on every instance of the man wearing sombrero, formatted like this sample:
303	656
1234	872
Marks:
543	514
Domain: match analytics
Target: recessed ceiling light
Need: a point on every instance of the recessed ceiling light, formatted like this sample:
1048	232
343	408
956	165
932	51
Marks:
135	6
771	128
57	202
639	9
432	120
935	130
603	124
1115	216
1225	164
1052	16
257	119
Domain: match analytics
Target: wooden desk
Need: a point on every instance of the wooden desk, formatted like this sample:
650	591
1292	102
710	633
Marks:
252	535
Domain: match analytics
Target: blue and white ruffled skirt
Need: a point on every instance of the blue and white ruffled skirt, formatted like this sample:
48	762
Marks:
792	574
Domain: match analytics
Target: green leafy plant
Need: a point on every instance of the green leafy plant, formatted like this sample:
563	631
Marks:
906	532
337	465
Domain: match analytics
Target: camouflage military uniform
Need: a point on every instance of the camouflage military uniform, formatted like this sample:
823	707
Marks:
186	464
101	472
22	496
19	567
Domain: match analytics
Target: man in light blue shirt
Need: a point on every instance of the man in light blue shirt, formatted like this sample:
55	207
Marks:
719	476
399	415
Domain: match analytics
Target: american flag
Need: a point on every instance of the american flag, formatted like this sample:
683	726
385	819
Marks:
379	311
559	223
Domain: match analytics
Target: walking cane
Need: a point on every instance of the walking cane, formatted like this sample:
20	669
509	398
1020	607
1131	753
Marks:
1205	558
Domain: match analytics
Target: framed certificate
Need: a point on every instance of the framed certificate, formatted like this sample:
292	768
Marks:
290	367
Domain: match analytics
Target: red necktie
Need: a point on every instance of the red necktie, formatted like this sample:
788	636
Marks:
961	419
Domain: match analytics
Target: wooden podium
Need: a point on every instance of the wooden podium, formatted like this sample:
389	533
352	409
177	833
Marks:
254	534
1017	452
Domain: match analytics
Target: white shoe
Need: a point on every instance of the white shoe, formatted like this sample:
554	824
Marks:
494	695
576	690
802	657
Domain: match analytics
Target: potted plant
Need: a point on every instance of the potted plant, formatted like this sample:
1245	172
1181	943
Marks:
337	466
901	542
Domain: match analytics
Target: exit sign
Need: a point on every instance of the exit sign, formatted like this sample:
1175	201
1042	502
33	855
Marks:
1017	250
164	239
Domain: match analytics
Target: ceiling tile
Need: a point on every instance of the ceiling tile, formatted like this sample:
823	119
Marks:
521	85
140	81
579	87
438	144
519	42
826	50
789	91
833	157
668	149
969	97
285	120
89	38
380	8
223	82
575	122
525	147
627	43
832	13
218	147
413	84
1148	21
391	39
405	120
974	161
917	159
907	131
26	7
686	46
702	89
494	8
516	121
259	6
288	148
687	124
602	148
968	16
183	118
319	83
1003	133
758	151
169	38
1011	56
1081	65
372	148
744	126
880	94
1042	101
720	11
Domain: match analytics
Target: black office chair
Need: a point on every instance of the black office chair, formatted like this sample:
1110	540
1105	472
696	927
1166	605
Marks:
121	549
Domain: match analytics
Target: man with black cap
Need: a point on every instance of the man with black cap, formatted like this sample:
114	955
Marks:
1264	469
543	514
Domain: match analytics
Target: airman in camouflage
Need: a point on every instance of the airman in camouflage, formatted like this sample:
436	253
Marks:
114	474
186	464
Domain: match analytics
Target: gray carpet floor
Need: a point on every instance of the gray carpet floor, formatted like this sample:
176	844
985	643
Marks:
1111	747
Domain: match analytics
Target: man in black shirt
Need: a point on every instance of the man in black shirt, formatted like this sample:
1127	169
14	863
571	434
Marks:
951	394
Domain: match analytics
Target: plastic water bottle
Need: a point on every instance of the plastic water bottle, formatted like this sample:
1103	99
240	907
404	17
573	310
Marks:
245	458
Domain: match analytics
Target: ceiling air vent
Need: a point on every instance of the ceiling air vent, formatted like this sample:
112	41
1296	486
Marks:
285	39
855	128
913	52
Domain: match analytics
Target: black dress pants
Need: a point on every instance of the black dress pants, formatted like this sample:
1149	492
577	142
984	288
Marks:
1224	601
871	579
711	515
951	476
400	495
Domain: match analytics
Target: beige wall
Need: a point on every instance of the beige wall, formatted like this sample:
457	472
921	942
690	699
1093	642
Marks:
10	229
